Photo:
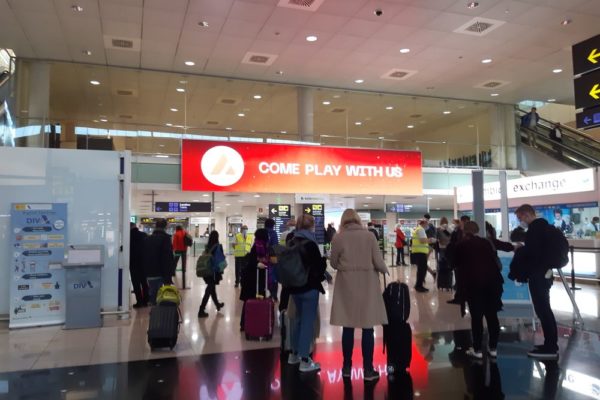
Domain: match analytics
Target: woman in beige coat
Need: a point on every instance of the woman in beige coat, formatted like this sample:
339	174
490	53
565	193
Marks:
357	299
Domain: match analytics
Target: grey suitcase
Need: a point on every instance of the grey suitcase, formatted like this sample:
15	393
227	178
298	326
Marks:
163	327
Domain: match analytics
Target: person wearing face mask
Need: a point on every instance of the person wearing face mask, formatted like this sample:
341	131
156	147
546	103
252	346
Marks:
241	247
531	265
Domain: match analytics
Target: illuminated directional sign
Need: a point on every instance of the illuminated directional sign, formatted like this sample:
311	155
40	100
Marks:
589	118
586	55
587	90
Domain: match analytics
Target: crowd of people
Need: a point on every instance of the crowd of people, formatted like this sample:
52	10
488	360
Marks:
462	247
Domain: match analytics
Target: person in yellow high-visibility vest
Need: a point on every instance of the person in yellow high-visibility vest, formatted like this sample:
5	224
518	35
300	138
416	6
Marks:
241	247
420	253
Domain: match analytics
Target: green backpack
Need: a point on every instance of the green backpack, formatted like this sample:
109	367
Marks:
169	294
204	265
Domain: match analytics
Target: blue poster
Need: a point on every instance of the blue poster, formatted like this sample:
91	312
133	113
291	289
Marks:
39	237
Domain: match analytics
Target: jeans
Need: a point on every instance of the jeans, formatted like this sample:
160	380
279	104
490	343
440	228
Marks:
367	346
154	283
306	311
400	256
539	287
483	307
210	292
421	261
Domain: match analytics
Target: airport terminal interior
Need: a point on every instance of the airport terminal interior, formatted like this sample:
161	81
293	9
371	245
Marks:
123	120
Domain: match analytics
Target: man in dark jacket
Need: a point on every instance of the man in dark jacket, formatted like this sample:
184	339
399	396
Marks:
136	266
455	238
159	262
539	275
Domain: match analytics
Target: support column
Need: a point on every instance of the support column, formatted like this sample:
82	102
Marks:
249	217
306	114
503	137
221	225
478	201
504	206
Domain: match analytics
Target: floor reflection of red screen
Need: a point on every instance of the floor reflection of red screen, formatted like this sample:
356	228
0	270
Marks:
236	376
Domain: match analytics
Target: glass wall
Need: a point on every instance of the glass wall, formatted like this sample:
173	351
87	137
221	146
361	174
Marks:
149	112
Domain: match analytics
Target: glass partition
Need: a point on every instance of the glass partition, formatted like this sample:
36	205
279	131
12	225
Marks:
150	112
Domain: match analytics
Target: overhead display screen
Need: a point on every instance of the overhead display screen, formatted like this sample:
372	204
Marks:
176	206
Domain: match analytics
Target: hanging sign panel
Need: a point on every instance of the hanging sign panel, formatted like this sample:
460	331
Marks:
586	55
277	168
39	237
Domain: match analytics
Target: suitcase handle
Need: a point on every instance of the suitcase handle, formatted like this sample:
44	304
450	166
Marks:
258	296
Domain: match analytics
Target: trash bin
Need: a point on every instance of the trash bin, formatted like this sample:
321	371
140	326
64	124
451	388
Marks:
83	283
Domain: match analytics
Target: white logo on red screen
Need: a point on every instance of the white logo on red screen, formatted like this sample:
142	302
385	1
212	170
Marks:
222	166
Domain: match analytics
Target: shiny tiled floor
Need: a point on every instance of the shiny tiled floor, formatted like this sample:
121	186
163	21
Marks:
213	360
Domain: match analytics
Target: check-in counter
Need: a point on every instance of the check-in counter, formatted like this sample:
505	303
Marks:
587	262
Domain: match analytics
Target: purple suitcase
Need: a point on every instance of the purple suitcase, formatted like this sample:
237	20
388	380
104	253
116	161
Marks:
260	316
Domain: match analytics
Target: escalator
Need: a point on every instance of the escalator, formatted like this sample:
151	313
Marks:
577	150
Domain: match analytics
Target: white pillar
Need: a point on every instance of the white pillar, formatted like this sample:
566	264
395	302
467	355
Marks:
249	217
478	201
504	206
221	225
306	114
503	137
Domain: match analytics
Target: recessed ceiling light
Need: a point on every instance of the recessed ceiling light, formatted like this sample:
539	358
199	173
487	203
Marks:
180	89
240	201
365	205
190	63
311	38
486	61
95	120
410	126
389	108
394	202
174	109
257	195
87	52
241	115
358	123
279	72
217	207
369	197
381	137
446	112
95	83
551	100
205	195
284	132
183	82
494	94
77	8
472	4
326	103
203	24
169	124
404	51
228	129
257	97
565	21
227	205
103	120
359	81
336	96
557	70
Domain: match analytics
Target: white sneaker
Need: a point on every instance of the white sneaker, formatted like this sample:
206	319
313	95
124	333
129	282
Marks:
293	359
493	353
475	354
309	366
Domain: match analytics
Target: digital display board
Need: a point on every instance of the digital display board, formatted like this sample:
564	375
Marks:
176	206
318	212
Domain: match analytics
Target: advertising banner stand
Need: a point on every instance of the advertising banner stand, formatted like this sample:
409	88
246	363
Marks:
83	277
516	297
39	235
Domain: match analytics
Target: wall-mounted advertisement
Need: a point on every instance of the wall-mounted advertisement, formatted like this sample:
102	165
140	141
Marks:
39	237
276	168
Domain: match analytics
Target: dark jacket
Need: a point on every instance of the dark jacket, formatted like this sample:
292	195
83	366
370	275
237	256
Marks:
374	232
136	250
529	261
312	259
158	256
527	117
480	275
273	237
455	238
329	233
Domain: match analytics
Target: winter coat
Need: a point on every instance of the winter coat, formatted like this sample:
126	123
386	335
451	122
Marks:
158	256
179	241
136	250
357	300
400	238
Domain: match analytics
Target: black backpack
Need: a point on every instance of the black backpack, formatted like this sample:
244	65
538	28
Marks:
397	302
557	250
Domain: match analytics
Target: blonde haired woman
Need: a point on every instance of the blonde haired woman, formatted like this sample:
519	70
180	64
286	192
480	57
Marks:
357	300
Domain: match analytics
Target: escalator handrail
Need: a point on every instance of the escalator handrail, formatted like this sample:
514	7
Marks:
565	128
567	148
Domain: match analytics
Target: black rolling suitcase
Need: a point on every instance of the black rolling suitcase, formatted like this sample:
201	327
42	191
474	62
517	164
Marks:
397	334
163	328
